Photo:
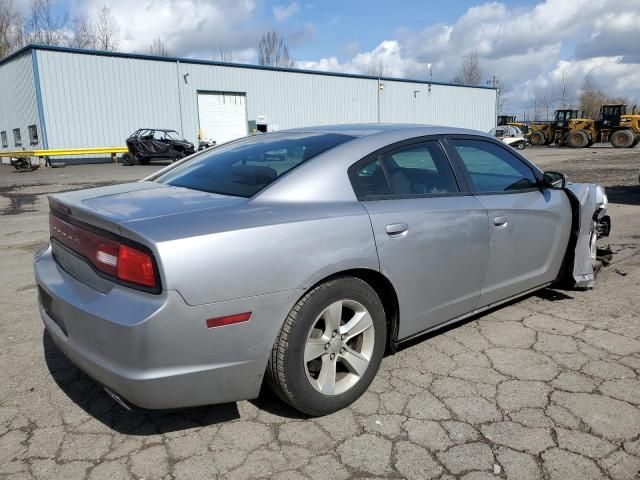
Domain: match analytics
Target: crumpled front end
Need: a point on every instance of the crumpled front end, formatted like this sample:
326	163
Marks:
592	223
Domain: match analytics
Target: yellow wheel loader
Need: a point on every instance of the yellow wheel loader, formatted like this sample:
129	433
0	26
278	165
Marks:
614	125
545	133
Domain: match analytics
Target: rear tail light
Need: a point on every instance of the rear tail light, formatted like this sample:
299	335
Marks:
135	266
129	264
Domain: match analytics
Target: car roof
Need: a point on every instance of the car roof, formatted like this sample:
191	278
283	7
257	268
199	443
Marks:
369	129
324	178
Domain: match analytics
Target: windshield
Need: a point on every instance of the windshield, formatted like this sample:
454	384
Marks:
244	167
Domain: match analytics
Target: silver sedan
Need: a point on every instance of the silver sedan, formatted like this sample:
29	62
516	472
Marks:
300	257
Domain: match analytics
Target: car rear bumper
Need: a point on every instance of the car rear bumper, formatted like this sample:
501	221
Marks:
155	351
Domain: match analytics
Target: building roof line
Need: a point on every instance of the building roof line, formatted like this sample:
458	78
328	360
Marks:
142	56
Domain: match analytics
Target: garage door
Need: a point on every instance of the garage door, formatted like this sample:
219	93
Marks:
223	116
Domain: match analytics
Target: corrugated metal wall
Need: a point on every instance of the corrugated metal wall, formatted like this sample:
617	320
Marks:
98	100
287	99
464	107
18	104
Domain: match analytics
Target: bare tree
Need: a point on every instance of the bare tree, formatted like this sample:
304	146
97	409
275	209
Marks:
83	33
225	55
273	51
158	48
44	25
503	97
11	34
378	69
542	103
565	84
107	30
591	97
470	72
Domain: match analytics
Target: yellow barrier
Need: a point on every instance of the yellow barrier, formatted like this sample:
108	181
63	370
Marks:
53	152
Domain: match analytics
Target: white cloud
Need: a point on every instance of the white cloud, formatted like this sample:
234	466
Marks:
197	28
283	12
525	47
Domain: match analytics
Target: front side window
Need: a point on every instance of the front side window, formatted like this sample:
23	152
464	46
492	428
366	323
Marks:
17	138
492	168
411	170
5	141
33	134
244	167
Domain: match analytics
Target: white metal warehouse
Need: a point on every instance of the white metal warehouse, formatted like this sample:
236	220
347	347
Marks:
53	97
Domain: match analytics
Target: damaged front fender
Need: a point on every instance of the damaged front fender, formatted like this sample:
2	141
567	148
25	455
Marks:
591	222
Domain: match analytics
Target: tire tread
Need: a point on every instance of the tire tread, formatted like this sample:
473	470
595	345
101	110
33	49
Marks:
276	374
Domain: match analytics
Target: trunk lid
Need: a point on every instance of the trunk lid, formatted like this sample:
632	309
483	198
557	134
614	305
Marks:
129	202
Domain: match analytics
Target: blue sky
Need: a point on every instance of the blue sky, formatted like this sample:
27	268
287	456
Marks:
340	25
530	45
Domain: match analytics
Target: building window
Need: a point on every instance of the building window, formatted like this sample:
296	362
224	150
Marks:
5	141
33	134
17	138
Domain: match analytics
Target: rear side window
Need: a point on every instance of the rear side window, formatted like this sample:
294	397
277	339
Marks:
244	167
411	170
493	169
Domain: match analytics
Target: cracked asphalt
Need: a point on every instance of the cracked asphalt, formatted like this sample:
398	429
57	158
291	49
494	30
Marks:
544	388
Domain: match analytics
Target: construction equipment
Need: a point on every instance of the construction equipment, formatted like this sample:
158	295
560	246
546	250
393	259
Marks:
544	133
511	120
614	125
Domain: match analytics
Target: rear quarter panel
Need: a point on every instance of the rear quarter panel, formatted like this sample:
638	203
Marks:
256	249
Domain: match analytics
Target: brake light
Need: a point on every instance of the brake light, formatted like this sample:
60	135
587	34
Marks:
118	260
135	266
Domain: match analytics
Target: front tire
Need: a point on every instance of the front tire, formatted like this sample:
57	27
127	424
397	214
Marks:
329	348
579	139
538	138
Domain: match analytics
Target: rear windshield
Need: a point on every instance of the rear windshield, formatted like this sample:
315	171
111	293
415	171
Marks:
245	167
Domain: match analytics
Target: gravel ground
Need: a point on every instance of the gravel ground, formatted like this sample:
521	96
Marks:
546	387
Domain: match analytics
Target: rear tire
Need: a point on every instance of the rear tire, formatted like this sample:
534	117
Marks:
144	161
538	138
329	348
127	160
622	139
636	140
579	139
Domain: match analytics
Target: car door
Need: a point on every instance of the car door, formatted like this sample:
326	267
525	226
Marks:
530	225
431	234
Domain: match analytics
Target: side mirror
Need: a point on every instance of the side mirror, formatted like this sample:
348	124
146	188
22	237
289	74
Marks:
554	180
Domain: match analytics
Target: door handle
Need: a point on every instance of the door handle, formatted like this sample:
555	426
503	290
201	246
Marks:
500	221
396	229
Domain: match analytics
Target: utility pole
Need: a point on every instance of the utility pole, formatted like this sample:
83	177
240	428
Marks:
495	83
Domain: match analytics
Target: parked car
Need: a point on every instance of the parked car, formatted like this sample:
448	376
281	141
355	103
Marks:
301	256
146	144
511	135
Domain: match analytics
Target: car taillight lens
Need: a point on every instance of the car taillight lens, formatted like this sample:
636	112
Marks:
118	260
135	266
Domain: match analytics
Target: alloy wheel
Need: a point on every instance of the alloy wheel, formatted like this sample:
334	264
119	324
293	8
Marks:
339	347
